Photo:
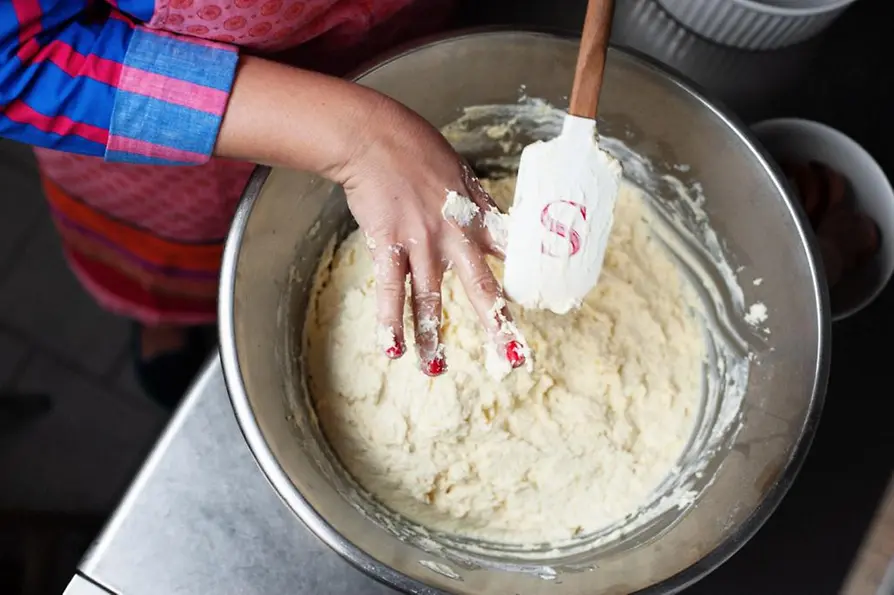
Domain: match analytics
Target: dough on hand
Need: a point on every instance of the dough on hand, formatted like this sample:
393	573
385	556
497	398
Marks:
566	449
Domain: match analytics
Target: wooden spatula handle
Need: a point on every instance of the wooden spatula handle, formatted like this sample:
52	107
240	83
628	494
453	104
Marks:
591	59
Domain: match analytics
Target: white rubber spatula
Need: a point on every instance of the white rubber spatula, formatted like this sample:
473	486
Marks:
566	192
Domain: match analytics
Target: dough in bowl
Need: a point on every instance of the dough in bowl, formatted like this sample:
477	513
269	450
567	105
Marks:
572	446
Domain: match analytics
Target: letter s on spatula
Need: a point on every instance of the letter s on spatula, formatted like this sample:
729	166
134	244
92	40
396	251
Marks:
566	192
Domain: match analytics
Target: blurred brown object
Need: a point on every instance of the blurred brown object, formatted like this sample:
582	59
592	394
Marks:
847	237
873	570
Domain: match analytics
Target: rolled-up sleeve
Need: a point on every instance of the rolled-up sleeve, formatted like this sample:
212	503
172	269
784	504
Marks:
82	77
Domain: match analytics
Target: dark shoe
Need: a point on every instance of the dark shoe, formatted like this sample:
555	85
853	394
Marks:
166	377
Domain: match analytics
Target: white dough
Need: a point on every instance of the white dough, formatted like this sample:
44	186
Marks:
570	447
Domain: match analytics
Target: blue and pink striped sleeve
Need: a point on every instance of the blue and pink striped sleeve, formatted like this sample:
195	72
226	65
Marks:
79	76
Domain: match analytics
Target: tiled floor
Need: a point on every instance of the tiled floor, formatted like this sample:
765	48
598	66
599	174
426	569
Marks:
78	456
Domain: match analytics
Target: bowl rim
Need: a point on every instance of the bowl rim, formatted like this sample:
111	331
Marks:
785	11
798	126
282	484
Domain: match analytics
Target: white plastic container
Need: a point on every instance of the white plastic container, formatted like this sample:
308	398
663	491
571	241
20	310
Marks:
756	24
793	139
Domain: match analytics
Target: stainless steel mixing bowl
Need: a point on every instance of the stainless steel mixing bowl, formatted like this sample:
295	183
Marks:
287	217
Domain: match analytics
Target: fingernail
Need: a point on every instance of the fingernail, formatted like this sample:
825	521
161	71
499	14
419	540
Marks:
436	366
396	350
515	353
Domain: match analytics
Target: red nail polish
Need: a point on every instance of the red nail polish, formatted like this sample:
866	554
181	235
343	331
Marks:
515	353
396	350
435	367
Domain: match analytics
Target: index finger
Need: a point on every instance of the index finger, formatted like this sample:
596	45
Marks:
492	222
508	349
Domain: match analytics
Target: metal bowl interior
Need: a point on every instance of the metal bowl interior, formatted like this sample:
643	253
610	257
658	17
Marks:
287	219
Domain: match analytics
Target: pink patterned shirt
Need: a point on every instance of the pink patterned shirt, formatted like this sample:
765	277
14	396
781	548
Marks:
109	91
197	203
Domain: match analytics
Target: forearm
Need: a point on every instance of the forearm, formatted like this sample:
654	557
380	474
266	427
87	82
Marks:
280	115
77	78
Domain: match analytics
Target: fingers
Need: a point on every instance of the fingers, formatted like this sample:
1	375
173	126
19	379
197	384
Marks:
474	226
426	272
492	231
391	267
486	296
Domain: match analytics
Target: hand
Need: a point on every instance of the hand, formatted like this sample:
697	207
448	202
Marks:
397	182
397	171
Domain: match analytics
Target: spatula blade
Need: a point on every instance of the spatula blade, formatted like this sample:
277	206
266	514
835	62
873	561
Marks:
560	219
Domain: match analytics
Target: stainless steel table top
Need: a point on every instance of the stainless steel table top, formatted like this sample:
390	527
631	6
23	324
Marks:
201	519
